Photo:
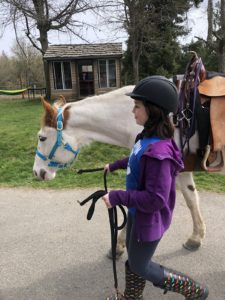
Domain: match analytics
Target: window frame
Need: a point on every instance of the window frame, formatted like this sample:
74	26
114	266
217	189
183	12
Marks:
106	60
62	75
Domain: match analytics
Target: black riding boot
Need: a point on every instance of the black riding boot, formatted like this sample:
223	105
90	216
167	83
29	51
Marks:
134	286
184	285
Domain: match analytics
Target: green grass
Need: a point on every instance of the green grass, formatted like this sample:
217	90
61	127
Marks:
210	182
19	124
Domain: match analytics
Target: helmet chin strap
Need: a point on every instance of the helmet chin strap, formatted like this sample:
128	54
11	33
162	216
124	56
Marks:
59	142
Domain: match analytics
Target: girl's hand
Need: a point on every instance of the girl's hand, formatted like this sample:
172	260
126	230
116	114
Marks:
105	198
106	168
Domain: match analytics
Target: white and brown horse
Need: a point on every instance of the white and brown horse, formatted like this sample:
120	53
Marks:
106	118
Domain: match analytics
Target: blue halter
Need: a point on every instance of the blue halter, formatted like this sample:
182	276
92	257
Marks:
58	143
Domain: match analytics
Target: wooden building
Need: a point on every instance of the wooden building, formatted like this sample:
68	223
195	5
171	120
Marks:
78	71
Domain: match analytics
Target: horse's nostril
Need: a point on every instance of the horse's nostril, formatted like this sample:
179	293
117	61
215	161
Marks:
42	174
35	173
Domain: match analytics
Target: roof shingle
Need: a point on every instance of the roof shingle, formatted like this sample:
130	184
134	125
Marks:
83	51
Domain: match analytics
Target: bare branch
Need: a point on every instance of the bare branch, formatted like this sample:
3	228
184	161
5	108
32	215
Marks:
17	39
28	34
201	39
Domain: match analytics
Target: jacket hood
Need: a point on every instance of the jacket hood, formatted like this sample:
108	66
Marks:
166	149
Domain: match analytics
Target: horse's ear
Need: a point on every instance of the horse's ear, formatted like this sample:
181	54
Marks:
50	113
60	101
47	106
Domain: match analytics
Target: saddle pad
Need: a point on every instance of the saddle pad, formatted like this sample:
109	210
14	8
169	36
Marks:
214	87
217	119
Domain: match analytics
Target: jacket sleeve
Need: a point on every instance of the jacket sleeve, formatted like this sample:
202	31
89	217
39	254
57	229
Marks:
156	189
119	164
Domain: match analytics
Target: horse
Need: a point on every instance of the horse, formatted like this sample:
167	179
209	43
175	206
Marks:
105	118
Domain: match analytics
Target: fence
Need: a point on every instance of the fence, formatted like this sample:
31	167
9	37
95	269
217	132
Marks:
31	92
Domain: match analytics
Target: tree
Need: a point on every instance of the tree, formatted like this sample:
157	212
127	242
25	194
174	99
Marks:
216	32
27	64
39	17
137	19
5	64
208	49
22	69
207	52
220	34
154	26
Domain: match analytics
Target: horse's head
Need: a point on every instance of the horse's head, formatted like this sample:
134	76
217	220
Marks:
55	149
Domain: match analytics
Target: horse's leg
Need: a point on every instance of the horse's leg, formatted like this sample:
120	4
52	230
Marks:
121	243
191	197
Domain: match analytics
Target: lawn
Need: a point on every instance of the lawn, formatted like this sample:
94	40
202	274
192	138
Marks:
19	124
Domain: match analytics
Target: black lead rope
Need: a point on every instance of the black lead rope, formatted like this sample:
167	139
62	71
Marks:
113	218
89	170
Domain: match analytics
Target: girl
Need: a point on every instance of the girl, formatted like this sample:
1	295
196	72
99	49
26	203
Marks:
150	194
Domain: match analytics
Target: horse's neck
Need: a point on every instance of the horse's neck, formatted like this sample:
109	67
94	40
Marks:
106	118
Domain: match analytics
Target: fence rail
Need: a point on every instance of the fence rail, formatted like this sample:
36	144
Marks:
33	91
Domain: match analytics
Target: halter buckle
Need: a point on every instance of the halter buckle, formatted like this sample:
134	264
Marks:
60	125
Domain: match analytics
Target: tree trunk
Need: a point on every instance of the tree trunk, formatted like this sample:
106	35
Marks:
221	52
221	56
136	53
135	63
210	21
44	46
47	80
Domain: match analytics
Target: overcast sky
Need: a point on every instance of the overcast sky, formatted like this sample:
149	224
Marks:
197	21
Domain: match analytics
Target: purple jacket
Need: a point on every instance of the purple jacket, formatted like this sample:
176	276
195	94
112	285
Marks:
155	198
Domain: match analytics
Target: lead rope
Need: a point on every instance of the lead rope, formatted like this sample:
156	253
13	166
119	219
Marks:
113	220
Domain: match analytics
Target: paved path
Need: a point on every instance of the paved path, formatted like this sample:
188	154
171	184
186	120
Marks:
48	251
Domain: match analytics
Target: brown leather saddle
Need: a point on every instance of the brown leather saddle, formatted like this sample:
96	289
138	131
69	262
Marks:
202	107
212	90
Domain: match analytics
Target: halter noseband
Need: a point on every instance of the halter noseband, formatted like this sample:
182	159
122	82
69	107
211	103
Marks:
58	143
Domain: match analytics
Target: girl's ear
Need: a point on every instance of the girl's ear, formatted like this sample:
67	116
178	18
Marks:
49	118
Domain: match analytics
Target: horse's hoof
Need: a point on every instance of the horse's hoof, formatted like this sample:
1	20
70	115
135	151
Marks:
119	253
192	245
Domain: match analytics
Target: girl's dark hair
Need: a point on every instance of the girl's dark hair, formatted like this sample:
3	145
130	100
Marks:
158	123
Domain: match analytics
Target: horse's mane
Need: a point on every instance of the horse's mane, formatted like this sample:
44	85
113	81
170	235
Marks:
115	93
50	115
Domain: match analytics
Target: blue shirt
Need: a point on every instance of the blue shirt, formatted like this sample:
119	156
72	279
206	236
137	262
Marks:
133	168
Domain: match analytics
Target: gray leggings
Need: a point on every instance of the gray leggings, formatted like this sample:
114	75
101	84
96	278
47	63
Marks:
140	255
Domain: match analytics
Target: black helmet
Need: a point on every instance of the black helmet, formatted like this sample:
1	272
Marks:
158	90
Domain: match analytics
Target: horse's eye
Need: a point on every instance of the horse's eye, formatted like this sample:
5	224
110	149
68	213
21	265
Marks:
42	138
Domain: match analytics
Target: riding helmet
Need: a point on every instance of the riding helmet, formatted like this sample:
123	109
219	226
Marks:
157	90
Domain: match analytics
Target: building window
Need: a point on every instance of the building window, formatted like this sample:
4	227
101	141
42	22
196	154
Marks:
62	75
107	73
85	72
